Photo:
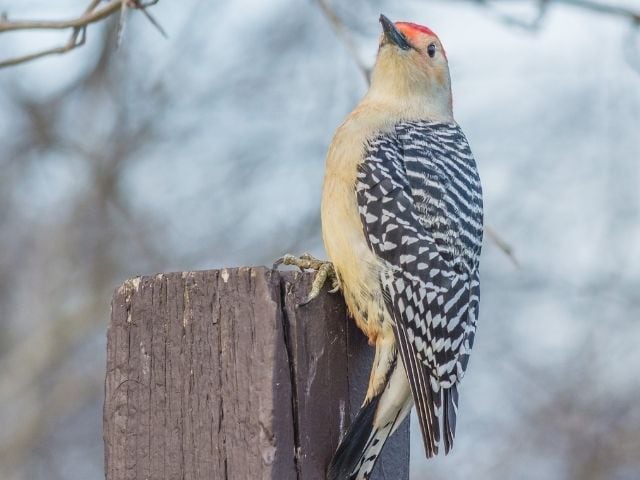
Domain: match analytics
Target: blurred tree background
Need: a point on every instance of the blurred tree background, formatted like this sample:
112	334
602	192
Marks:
206	149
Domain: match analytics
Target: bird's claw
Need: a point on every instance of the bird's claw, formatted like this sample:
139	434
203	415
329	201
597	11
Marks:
286	259
307	261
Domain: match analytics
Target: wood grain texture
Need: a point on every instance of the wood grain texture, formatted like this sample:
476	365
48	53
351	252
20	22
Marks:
220	375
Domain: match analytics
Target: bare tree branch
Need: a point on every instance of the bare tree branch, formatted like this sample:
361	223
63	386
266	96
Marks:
531	25
79	25
632	48
121	22
501	244
143	8
633	15
344	34
534	24
73	43
90	16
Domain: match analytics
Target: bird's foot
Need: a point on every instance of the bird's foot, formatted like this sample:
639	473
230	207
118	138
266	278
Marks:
307	261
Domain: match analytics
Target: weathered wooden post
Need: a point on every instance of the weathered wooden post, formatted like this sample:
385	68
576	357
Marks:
219	375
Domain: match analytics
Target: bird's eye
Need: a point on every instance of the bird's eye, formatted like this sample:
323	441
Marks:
431	49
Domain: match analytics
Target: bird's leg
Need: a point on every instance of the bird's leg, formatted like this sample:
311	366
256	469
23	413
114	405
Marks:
308	262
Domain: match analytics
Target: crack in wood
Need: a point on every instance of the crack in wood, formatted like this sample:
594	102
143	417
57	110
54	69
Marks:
217	375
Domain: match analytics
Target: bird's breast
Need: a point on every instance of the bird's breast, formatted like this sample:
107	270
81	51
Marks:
357	266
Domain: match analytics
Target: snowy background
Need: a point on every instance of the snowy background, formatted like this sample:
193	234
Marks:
207	150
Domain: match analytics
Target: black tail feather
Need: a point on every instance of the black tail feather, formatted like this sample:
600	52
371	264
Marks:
354	443
450	410
426	400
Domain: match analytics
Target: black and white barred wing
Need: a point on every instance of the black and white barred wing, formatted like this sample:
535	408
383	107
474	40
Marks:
428	295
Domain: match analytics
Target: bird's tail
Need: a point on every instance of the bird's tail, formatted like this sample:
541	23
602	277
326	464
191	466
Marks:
377	419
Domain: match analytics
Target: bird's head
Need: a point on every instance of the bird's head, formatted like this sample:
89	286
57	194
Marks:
412	70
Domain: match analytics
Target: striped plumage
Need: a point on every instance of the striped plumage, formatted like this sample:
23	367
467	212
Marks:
420	202
402	225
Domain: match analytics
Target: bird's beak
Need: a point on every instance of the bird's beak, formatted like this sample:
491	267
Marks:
392	34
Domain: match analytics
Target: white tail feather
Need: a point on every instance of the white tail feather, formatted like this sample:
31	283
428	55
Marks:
393	406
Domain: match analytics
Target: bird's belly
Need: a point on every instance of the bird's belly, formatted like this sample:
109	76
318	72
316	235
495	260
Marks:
357	267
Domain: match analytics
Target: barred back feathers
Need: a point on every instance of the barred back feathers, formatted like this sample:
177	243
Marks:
420	202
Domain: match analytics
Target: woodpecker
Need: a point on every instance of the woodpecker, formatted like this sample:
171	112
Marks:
402	225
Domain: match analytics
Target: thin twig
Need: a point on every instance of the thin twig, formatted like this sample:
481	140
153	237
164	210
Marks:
77	38
345	36
501	244
71	44
632	49
142	6
530	25
633	15
124	4
79	25
87	18
92	6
